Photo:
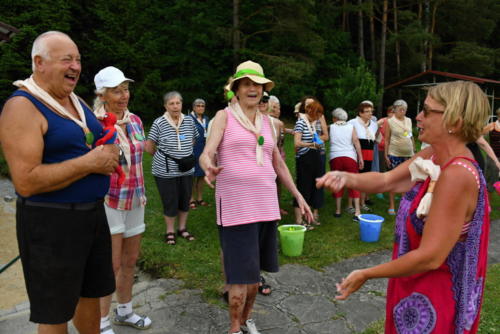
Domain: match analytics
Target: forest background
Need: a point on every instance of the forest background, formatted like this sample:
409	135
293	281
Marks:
340	51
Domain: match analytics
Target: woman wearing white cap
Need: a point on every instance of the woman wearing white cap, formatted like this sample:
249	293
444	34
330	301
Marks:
248	162
125	201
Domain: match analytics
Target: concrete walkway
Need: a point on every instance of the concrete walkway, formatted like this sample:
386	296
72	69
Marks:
301	303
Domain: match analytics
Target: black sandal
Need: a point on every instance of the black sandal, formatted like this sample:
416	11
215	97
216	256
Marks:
185	234
170	238
263	286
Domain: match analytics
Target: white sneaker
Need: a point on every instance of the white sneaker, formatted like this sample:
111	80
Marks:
251	328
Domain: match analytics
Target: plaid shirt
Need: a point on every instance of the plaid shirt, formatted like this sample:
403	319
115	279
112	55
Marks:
121	197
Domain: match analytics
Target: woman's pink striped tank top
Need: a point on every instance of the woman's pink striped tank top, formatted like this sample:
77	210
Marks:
245	192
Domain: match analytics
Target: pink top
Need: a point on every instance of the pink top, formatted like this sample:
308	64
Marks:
245	192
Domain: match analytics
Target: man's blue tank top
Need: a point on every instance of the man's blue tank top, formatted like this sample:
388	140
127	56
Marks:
64	140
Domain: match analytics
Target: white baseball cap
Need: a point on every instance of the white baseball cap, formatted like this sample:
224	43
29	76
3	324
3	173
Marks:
109	77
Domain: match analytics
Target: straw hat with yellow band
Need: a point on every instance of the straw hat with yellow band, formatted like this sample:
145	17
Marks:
254	72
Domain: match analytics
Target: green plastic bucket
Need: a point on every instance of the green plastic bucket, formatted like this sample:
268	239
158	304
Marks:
292	239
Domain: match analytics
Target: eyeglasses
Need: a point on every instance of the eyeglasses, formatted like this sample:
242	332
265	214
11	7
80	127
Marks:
265	99
428	110
200	105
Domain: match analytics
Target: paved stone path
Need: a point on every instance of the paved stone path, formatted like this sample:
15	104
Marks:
301	303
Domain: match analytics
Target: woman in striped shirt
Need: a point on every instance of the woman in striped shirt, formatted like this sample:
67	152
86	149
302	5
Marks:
248	162
308	158
171	140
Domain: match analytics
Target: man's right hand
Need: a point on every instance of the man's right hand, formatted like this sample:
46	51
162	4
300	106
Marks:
103	159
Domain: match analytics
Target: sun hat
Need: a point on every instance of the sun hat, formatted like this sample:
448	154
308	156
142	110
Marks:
296	109
254	72
109	77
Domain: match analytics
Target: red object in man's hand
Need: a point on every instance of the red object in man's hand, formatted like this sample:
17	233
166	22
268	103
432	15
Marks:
109	137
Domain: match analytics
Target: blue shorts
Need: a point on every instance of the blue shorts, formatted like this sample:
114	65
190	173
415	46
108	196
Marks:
248	249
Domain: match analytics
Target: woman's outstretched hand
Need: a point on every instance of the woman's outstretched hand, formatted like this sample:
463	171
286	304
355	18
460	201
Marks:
333	181
211	173
350	284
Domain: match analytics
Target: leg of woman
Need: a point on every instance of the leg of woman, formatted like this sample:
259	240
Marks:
125	278
199	188
86	318
391	202
338	202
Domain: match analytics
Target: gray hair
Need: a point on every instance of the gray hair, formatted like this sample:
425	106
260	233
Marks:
198	101
97	101
400	103
171	95
40	46
339	114
274	99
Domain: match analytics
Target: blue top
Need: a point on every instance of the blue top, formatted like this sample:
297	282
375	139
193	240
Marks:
199	146
65	140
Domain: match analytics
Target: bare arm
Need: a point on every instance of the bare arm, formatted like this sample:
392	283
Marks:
396	180
357	146
22	128
150	147
297	140
207	158
324	129
387	140
489	151
286	179
449	210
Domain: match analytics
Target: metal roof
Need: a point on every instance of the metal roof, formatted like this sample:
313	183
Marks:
445	74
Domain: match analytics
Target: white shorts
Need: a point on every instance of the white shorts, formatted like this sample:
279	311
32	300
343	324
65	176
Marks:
128	222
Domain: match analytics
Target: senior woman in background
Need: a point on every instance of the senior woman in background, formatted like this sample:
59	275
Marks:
248	162
171	140
399	142
124	203
308	159
345	155
438	269
366	130
201	121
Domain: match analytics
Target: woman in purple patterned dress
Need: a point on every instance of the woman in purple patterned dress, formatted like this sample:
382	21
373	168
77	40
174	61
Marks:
438	268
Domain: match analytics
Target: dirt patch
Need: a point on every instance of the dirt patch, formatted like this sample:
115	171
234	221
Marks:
12	288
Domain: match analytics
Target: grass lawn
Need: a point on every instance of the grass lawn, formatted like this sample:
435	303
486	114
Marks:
197	263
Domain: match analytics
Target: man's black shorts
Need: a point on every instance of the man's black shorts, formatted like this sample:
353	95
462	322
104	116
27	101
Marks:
66	254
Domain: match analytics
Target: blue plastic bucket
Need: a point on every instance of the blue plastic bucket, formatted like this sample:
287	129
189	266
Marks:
369	227
292	239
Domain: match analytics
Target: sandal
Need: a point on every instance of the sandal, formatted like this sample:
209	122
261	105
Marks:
365	207
202	203
350	210
263	286
143	322
192	205
170	238
316	220
185	234
308	226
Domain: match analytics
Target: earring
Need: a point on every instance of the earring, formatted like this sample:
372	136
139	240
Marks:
450	132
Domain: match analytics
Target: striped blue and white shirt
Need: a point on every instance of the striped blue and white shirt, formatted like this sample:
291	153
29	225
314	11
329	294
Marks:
165	138
307	136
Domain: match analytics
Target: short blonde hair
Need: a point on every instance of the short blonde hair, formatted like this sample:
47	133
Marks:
463	101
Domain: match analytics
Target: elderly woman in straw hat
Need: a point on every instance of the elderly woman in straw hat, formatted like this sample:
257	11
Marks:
248	162
124	202
438	269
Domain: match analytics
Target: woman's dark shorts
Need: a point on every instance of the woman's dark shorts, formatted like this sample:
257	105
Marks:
66	254
175	193
247	249
396	161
